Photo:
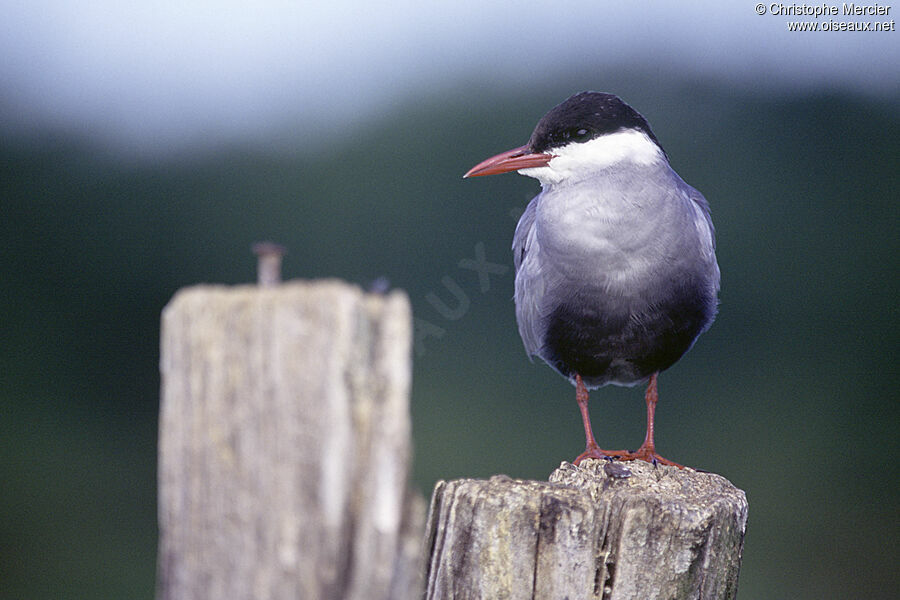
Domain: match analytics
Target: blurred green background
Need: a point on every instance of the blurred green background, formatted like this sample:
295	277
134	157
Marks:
791	395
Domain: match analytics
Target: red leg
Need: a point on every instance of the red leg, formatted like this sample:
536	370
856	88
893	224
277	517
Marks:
591	450
647	451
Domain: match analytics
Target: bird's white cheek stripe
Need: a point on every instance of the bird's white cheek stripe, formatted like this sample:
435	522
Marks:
576	161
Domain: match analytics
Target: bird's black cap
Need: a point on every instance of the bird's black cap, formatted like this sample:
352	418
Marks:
583	117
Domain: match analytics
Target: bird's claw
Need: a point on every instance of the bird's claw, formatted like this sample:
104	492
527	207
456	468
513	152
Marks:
649	455
597	453
643	453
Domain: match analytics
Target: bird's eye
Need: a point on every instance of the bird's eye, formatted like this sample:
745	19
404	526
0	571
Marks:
580	135
564	136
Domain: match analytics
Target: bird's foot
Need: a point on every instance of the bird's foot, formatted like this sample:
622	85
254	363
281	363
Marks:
648	454
595	452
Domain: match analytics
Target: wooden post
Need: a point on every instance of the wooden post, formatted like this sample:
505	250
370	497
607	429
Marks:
285	445
284	462
616	531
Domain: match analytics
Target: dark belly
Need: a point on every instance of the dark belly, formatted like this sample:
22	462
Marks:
622	344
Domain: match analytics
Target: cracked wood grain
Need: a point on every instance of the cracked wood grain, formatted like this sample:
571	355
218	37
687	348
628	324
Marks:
591	532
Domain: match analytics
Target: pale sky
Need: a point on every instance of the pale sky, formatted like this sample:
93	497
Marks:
202	72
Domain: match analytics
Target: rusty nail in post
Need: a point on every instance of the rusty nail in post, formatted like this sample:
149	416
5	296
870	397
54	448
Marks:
268	269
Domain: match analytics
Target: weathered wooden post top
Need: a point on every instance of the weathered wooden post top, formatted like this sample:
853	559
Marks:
600	530
284	460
